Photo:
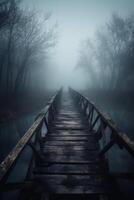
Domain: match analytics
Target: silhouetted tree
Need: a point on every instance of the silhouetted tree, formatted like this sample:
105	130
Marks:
34	44
110	58
25	39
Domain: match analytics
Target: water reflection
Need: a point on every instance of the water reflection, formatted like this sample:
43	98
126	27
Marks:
11	132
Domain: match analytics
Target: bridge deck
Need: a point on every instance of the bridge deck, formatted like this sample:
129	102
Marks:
71	162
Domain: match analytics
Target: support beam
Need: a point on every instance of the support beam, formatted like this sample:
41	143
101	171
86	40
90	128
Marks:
107	147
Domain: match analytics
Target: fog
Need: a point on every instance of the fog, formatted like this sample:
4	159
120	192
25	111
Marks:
76	19
85	44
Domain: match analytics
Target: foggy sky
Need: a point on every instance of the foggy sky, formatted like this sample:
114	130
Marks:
77	20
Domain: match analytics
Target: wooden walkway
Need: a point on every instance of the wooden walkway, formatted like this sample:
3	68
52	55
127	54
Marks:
71	155
69	141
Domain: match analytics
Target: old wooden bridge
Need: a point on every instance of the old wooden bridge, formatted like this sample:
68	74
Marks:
69	141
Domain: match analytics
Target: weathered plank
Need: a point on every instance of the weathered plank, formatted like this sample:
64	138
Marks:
71	168
74	184
68	138
47	142
71	132
71	150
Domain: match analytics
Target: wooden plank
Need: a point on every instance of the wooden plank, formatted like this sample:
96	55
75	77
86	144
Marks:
65	134
71	154
71	112
71	168
73	132
58	143
75	180
71	162
75	147
72	140
67	158
68	150
43	172
68	127
61	134
65	137
68	124
68	118
74	184
68	138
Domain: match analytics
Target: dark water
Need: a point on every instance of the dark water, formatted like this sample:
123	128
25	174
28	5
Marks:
10	133
120	160
120	109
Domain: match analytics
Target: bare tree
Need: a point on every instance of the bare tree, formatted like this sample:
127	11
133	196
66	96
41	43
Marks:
87	61
113	54
35	41
25	39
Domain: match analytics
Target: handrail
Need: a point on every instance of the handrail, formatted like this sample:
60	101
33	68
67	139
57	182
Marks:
94	116
44	117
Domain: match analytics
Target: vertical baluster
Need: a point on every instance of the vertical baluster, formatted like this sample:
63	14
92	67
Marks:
85	107
91	116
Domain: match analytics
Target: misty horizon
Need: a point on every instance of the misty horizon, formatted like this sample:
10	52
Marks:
76	20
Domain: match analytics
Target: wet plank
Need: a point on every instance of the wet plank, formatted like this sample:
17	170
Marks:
74	184
71	133
70	169
58	143
74	148
68	138
67	151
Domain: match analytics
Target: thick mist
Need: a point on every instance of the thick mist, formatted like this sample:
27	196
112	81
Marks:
76	20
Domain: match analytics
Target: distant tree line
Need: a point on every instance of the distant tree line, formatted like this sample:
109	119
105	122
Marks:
108	58
25	40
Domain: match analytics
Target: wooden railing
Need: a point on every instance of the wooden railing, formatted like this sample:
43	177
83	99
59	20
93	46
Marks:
104	127
31	137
